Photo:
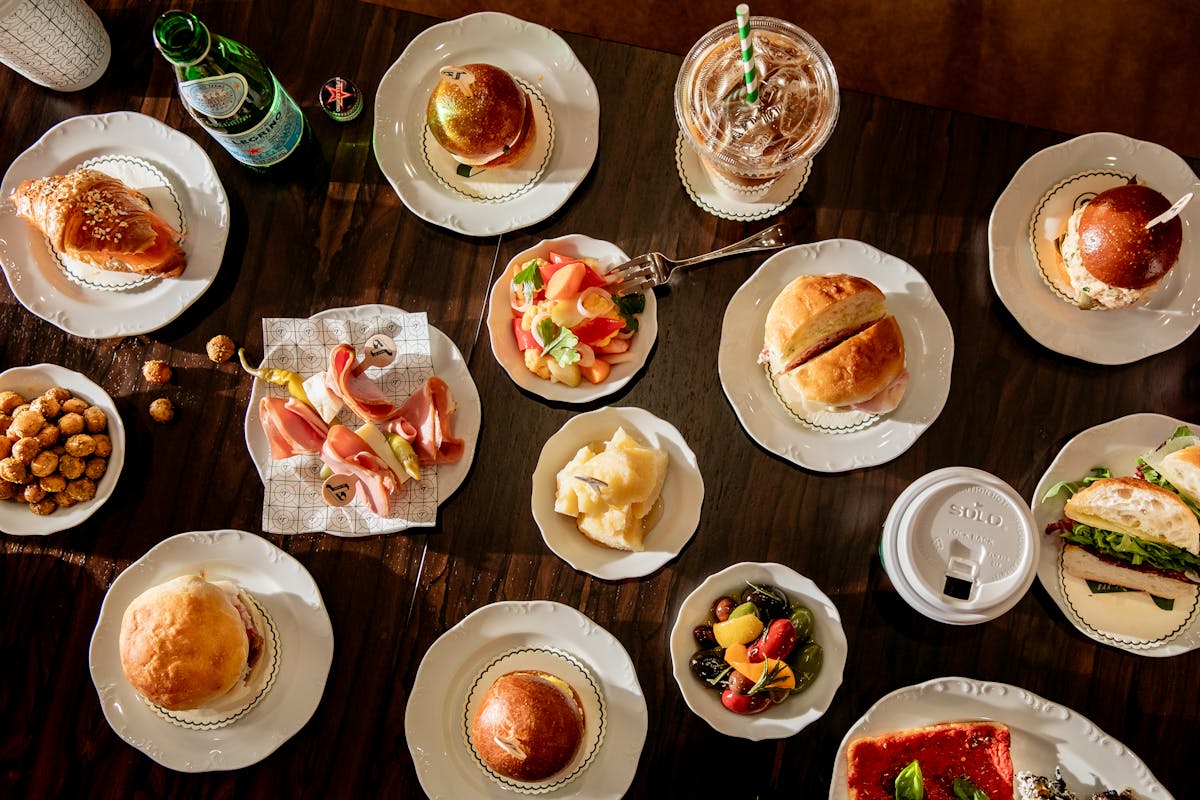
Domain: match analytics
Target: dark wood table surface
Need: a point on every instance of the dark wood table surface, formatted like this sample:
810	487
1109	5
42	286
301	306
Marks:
914	181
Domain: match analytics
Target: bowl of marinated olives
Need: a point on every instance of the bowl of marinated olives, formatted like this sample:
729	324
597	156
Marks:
758	651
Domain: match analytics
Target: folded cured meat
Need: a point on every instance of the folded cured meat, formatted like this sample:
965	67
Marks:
424	419
291	427
95	218
347	454
359	393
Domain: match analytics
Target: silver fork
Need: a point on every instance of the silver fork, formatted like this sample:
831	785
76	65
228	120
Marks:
655	269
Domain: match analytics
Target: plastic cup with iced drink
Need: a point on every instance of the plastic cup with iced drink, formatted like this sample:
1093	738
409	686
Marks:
745	147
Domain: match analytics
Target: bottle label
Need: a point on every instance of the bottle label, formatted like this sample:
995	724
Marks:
219	96
271	140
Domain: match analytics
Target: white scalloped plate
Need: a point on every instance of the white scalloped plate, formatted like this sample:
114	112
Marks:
504	344
29	382
928	344
681	499
37	278
798	712
433	720
1099	336
1044	734
529	51
1128	620
276	580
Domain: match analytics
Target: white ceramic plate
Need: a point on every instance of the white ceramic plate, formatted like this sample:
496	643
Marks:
29	382
504	343
1044	734
799	711
531	53
1128	620
284	587
448	364
433	719
1098	336
681	499
928	344
38	279
699	186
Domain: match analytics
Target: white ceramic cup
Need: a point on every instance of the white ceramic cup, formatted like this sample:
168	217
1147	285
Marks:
59	44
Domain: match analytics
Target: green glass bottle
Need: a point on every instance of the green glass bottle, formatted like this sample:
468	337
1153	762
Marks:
228	90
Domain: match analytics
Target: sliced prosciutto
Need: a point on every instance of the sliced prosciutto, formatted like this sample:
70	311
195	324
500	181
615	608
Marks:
292	428
347	454
357	391
424	420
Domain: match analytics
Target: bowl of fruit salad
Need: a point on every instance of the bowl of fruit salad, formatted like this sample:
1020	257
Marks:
558	330
758	651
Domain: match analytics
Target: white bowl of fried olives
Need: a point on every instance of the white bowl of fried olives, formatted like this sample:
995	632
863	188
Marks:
62	446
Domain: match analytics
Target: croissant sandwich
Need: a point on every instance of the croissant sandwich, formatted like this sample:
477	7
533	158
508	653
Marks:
96	218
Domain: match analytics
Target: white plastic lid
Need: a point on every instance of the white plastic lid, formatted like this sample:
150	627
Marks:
960	546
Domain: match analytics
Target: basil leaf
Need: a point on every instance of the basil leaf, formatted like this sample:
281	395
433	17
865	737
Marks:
558	343
1165	603
1071	487
529	280
965	790
629	305
910	785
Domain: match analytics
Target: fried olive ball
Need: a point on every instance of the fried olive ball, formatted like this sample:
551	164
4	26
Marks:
43	464
95	419
95	468
70	424
26	449
48	407
8	491
71	466
44	507
156	371
103	445
64	499
48	435
58	393
13	470
33	493
81	444
162	410
9	400
26	423
220	348
52	483
74	405
82	489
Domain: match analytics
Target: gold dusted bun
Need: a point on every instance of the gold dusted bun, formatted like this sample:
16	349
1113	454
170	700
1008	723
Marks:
183	643
528	726
814	309
1113	241
854	371
479	114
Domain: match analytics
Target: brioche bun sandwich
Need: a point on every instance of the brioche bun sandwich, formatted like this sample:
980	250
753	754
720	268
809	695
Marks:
481	116
831	345
194	645
529	726
1110	259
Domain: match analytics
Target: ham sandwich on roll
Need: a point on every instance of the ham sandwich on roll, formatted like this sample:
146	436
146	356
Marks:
831	345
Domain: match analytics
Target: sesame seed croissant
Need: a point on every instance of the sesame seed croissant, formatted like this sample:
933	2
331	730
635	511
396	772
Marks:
96	218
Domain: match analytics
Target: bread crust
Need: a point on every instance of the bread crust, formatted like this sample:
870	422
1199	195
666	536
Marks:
1086	565
1137	508
813	308
1114	243
535	712
855	370
477	118
1182	470
183	643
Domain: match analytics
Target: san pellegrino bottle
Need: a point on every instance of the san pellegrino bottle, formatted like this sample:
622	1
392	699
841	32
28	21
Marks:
228	90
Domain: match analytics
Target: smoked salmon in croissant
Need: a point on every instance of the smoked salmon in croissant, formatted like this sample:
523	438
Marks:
93	217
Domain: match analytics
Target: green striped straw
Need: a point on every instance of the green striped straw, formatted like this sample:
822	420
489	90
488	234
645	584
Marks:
743	23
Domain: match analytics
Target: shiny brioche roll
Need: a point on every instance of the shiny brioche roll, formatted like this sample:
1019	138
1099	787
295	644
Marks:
190	643
529	725
481	116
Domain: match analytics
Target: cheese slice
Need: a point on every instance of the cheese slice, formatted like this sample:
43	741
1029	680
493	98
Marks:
319	396
378	442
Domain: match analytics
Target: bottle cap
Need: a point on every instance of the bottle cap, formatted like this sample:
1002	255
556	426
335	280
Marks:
341	99
960	546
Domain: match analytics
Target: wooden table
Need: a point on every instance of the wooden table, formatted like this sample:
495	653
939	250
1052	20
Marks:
913	181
